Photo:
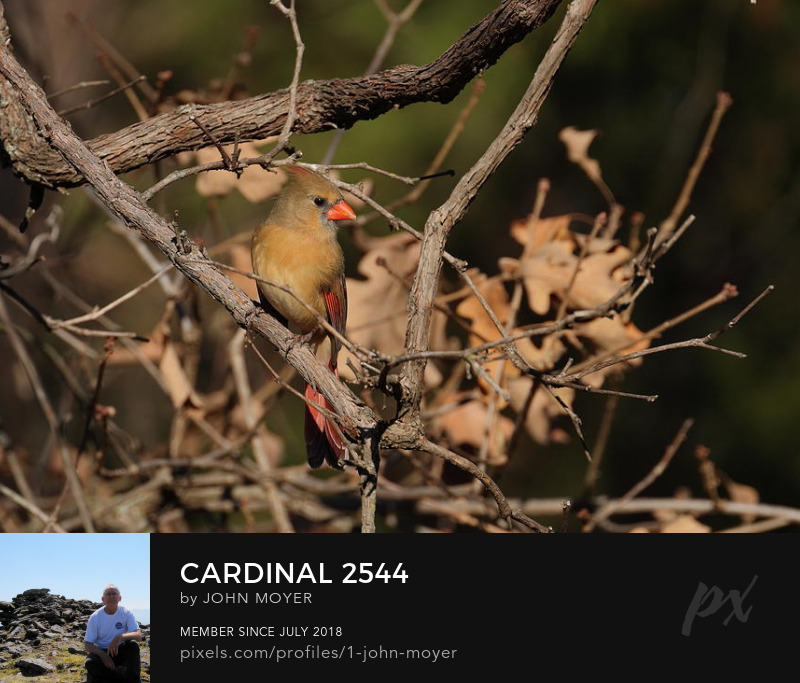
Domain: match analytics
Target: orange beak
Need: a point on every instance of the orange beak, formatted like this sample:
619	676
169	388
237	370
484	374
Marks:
341	211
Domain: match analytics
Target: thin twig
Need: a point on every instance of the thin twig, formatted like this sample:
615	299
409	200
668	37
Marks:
30	506
113	54
31	257
222	165
542	189
254	424
8	454
91	406
291	15
395	222
113	330
50	416
700	342
228	163
724	101
599	221
77	86
610	411
97	100
100	312
667	244
758	527
441	221
90	416
395	21
577	423
727	292
12	232
607	510
242	59
124	86
332	416
462	463
364	166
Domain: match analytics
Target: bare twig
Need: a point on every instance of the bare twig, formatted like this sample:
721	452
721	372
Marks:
50	416
593	471
228	163
13	233
607	510
727	292
364	166
462	463
700	342
8	454
259	443
31	257
113	330
395	21
77	86
542	189
125	86
97	100
223	164
724	101
30	506
290	13
694	506
113	54
100	312
599	221
758	527
442	220
242	59
321	105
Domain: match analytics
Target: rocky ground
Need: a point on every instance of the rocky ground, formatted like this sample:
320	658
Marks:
41	638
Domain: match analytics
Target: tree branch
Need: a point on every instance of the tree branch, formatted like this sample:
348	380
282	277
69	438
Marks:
321	105
443	219
127	205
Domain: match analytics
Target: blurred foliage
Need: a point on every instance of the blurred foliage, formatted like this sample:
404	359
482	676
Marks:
645	73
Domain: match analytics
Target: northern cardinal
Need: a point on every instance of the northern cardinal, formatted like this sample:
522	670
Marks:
296	247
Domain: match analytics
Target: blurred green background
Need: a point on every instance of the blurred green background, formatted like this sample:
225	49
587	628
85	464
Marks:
643	72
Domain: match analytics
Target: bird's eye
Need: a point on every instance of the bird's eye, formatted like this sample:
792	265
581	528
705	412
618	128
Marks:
319	201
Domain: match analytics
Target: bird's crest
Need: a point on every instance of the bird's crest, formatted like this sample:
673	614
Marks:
305	179
298	170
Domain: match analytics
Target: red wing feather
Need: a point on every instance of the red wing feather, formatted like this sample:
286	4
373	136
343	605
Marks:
336	307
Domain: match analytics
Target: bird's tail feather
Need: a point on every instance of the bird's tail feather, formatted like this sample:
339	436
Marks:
323	443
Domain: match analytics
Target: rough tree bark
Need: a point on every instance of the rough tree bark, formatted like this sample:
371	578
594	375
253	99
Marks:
321	105
43	150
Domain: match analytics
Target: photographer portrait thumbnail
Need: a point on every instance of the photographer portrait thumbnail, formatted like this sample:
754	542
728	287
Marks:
111	641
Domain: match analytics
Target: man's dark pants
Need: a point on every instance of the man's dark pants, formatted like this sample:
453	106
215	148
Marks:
127	665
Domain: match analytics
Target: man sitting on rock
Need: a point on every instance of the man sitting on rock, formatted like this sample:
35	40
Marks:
111	636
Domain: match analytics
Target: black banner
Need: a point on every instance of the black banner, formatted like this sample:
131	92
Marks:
239	605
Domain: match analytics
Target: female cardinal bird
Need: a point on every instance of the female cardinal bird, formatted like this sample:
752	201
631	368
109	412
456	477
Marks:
296	247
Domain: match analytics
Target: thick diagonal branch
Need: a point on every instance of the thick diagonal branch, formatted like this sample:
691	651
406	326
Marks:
442	220
127	205
321	105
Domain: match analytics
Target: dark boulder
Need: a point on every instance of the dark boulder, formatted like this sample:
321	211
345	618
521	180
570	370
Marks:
30	666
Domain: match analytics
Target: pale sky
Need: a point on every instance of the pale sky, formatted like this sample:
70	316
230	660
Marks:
77	566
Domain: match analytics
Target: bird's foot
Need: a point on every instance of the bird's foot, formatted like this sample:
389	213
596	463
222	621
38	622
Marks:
307	338
301	340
